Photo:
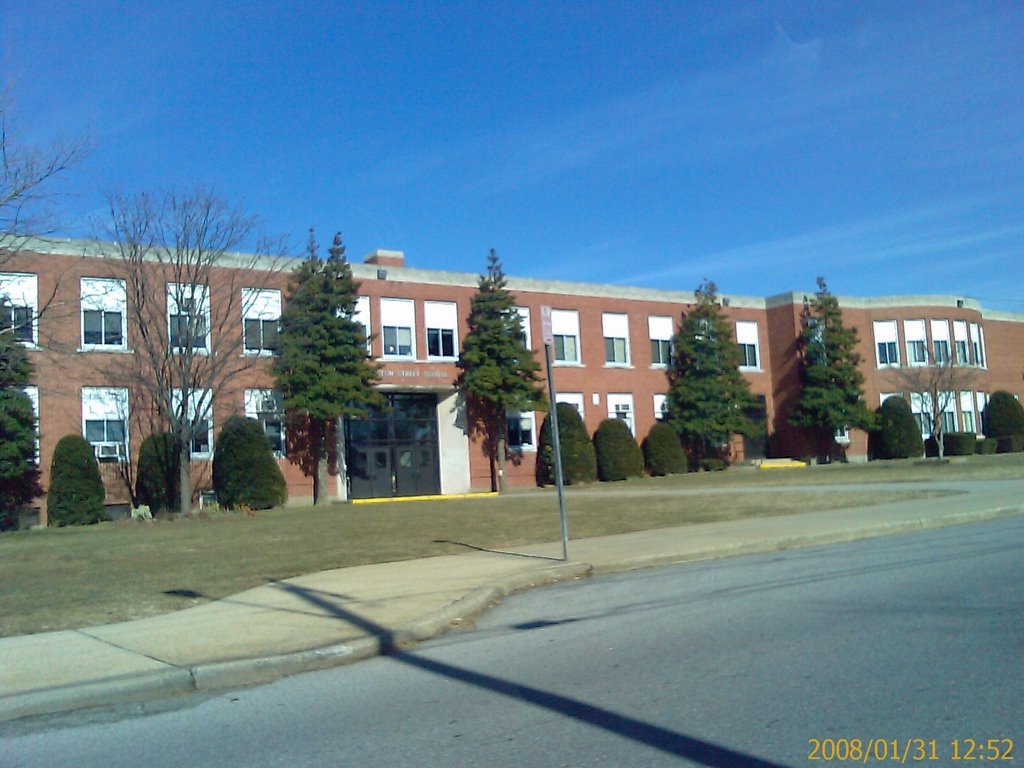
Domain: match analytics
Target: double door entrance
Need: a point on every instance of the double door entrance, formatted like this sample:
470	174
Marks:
394	452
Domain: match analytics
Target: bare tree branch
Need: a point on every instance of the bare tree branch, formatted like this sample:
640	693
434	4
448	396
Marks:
938	386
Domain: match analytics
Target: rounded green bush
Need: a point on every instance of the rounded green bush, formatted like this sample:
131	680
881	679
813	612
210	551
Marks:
579	464
156	482
1004	415
245	472
663	453
898	435
713	464
959	443
987	446
75	495
1010	444
618	455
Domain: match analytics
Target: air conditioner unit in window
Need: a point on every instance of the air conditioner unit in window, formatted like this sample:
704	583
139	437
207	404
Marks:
110	451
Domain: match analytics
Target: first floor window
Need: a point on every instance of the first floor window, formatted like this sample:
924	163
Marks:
521	430
197	413
620	406
267	407
105	421
660	407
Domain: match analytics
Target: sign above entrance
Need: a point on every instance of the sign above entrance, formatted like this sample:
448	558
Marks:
545	325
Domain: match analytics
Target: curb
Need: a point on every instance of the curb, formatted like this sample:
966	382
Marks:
246	672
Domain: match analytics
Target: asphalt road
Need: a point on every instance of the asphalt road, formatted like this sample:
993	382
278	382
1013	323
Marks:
911	644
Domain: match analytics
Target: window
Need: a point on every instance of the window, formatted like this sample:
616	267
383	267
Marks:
977	344
886	343
967	412
362	316
104	305
261	320
921	407
267	407
746	338
575	399
660	407
565	327
32	393
616	338
442	320
524	318
105	421
948	401
521	430
198	412
188	317
917	344
620	406
397	317
940	342
960	342
18	297
841	435
981	401
660	331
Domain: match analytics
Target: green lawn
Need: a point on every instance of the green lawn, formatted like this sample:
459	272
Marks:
74	577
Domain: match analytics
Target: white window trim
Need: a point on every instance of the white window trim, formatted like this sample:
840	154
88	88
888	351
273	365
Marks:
103	294
615	326
660	407
362	316
32	393
398	313
21	289
194	292
107	404
260	304
916	332
659	328
531	418
566	322
524	317
443	316
615	401
880	331
575	399
747	332
255	399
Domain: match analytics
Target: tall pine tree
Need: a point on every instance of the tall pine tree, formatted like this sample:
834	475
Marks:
707	393
498	373
323	367
832	393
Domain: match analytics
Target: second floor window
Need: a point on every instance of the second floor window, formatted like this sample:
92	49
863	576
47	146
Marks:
104	304
441	320
659	328
616	338
261	320
18	294
565	327
746	338
188	317
398	326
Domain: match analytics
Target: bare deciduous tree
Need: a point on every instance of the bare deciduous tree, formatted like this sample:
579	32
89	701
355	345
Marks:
26	175
188	291
938	386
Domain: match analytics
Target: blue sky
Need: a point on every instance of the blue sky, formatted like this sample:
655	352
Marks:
757	144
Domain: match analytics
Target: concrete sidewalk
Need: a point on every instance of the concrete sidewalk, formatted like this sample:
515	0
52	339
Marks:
340	616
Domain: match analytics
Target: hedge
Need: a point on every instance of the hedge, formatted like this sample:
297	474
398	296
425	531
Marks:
1010	444
245	472
76	494
959	443
663	453
898	435
618	455
579	463
1004	415
156	485
987	446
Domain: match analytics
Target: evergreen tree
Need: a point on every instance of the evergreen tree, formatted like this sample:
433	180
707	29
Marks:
498	373
19	473
662	453
618	455
832	395
323	367
76	493
156	483
245	472
707	394
579	461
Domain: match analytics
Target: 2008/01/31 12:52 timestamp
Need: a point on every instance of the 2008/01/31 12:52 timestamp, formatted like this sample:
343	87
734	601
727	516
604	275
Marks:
907	751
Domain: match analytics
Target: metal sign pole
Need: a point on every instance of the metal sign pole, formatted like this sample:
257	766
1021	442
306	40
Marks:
555	442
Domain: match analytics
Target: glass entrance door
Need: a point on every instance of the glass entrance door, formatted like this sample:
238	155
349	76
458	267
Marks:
394	452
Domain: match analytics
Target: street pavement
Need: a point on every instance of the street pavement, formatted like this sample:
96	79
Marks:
341	616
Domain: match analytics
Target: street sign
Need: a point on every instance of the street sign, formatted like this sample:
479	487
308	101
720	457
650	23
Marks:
545	325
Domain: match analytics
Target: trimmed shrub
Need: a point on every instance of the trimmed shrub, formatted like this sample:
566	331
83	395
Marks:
156	484
1010	444
987	446
579	463
245	472
1004	415
75	495
618	455
713	464
959	443
898	435
663	453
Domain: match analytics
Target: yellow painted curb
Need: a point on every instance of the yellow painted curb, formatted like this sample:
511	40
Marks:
784	465
436	497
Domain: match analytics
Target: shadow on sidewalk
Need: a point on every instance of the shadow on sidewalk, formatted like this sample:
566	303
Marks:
497	551
671	742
